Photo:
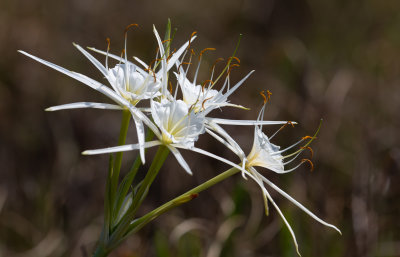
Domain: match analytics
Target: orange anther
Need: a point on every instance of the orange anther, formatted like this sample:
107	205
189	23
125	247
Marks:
215	63
310	162
264	97
206	49
192	52
205	82
108	43
170	87
230	68
130	26
310	149
202	104
234	58
172	53
307	137
290	123
166	40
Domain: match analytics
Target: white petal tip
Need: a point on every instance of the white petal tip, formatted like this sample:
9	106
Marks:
86	152
50	109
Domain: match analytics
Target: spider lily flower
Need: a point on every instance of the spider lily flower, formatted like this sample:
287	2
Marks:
178	126
268	155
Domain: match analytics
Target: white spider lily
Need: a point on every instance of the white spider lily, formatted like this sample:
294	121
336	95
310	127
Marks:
206	99
267	155
130	84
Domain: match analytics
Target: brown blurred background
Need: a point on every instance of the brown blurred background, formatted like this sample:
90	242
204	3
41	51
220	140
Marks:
335	60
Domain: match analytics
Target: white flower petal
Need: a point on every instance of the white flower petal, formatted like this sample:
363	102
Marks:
246	122
85	105
180	159
287	196
121	148
96	63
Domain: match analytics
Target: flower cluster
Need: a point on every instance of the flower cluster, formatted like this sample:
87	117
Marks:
177	123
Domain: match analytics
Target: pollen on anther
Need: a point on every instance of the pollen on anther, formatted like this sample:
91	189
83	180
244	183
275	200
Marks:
206	49
108	43
264	97
310	149
130	26
310	162
307	137
216	61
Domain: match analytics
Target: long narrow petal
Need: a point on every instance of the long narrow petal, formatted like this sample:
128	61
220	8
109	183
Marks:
140	134
82	78
229	139
287	196
233	89
118	58
163	62
84	105
96	63
246	122
121	148
224	142
180	159
277	209
201	151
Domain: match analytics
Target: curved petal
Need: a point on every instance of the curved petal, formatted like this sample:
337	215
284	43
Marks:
84	105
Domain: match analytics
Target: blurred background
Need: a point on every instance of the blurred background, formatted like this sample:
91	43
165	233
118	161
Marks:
335	60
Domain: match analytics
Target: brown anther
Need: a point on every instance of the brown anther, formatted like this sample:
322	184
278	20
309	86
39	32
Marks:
172	53
180	65
215	63
166	40
170	87
108	43
310	162
234	58
206	49
190	40
130	26
264	97
269	96
230	68
192	52
307	137
289	123
202	104
205	82
310	149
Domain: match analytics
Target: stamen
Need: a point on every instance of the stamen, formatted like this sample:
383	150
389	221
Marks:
108	49
166	40
205	49
190	39
180	65
108	43
235	58
192	52
269	96
172	53
230	68
202	104
205	82
310	149
130	26
310	162
308	137
264	97
215	63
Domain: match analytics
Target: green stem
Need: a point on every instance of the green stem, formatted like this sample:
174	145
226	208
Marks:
126	116
101	252
189	195
123	226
